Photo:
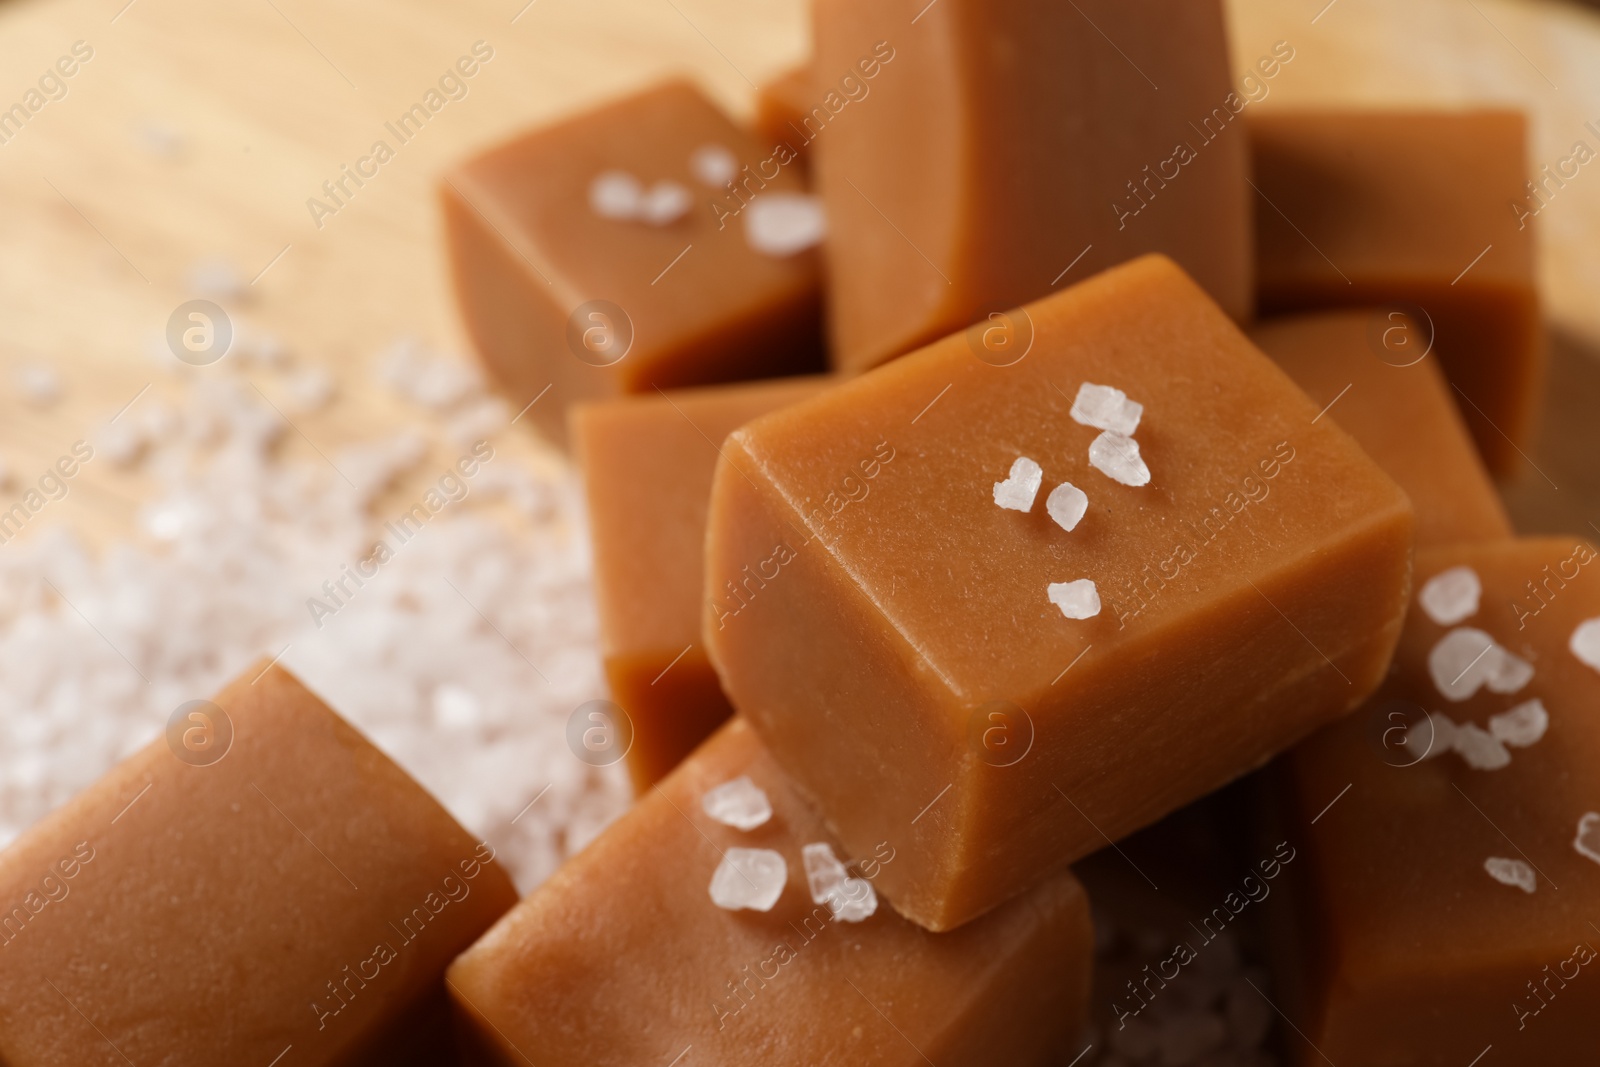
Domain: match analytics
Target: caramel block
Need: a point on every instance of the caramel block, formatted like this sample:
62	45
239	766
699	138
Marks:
885	625
1368	366
1413	953
782	107
298	892
622	959
555	293
1366	207
1001	140
647	464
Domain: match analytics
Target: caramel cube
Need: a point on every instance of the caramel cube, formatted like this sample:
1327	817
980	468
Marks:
1371	370
260	885
623	959
647	464
976	154
931	666
1422	209
1452	871
601	256
783	106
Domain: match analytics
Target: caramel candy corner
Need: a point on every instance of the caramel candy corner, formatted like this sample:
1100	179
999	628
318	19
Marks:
886	627
960	180
1482	818
1428	211
598	256
1370	368
783	110
192	908
646	466
622	958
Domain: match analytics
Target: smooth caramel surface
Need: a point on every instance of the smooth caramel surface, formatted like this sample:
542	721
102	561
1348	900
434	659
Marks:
782	106
301	892
999	144
528	255
647	464
1411	953
1416	208
869	601
1370	369
621	958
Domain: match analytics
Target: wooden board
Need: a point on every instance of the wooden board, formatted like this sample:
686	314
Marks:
199	131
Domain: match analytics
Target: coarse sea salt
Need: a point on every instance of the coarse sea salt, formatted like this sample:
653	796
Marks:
1019	488
783	224
1521	726
1585	642
1511	872
851	899
665	202
1451	596
1587	841
1466	659
1066	505
1117	457
749	878
1077	600
1106	408
615	194
713	165
1481	750
740	804
1433	736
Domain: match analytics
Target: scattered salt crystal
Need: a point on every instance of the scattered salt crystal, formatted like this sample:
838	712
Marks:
1066	505
122	442
1522	726
665	202
216	278
1106	408
1433	736
782	224
1481	750
740	803
477	421
455	708
1587	842
615	194
1507	672
1585	642
311	389
714	165
430	380
850	899
750	878
1016	493
1511	872
40	384
1451	596
1459	662
1077	600
1117	456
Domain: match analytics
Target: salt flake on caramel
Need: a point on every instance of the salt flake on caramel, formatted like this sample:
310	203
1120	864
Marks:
1511	872
1116	455
1077	600
1017	491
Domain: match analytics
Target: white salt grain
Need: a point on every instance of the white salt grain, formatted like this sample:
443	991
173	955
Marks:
39	384
1017	491
1460	662
1585	642
750	878
122	442
1066	505
1117	457
740	803
1451	596
1480	749
665	203
1106	408
1587	842
1434	742
782	224
310	389
1522	726
1077	600
713	165
1507	672
615	194
1511	872
851	899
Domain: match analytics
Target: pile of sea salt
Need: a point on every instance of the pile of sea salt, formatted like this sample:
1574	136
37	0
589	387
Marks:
462	658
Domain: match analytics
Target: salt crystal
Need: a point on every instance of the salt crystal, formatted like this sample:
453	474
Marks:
750	878
1106	408
1117	456
1588	840
1432	736
1077	600
1522	726
40	384
714	165
1481	750
740	803
1460	662
615	194
1016	493
850	899
122	442
1511	872
311	389
1507	672
666	202
1066	505
1451	596
455	708
782	224
1585	642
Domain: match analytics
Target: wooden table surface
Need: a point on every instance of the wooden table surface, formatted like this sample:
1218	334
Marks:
198	131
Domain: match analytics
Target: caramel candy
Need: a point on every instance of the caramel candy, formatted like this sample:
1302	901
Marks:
1432	922
261	880
647	464
1005	147
783	110
1370	368
1420	208
917	655
622	958
612	253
